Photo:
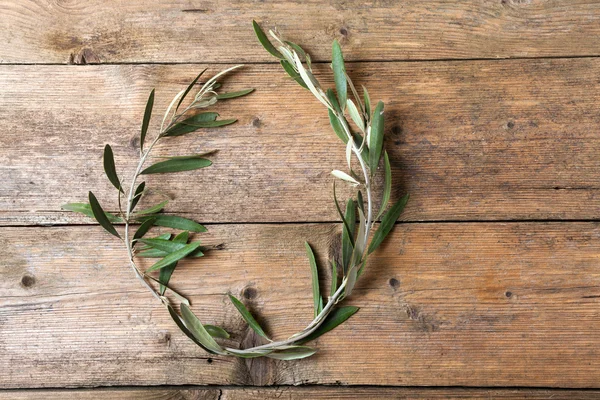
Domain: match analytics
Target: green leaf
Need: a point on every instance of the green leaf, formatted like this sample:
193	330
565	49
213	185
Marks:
86	209
109	167
177	165
334	278
184	329
174	256
376	140
355	115
137	196
100	216
143	229
337	127
176	222
146	120
387	223
344	176
335	318
190	86
348	234
166	247
387	188
193	123
197	329
233	95
248	317
292	353
216	332
292	73
339	210
359	200
367	103
154	209
334	101
166	272
339	73
252	354
315	277
297	49
264	40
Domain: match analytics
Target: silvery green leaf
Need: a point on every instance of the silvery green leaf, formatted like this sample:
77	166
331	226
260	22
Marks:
288	55
308	80
211	83
344	176
292	353
292	73
177	165
339	73
333	320
109	168
177	97
205	103
193	123
167	247
184	328
187	90
177	222
361	239
337	127
197	329
315	277
387	188
376	137
387	223
216	332
264	40
346	223
86	209
137	196
355	115
100	216
146	120
165	273
349	153
359	200
249	354
233	95
154	209
248	317
297	49
348	234
174	256
334	103
356	96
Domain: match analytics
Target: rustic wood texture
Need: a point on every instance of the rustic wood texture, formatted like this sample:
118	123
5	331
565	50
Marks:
298	393
473	304
479	140
92	31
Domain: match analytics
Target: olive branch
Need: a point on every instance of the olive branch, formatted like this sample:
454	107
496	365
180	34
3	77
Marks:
364	141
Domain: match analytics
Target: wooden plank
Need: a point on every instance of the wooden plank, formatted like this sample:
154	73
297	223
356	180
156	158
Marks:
299	393
442	304
91	31
478	140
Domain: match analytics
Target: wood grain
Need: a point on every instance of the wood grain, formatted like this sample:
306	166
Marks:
93	31
467	304
480	140
299	393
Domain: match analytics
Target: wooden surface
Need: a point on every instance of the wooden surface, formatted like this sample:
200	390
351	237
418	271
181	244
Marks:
489	287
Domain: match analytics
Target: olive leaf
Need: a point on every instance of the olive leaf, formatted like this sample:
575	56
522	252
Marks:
264	40
187	90
233	95
143	229
167	247
109	167
344	176
100	216
376	139
387	187
216	332
146	120
318	300
292	353
86	209
287	67
175	256
177	165
137	196
348	235
355	115
154	209
333	320
181	325
176	222
166	272
387	223
334	278
339	73
199	332
248	317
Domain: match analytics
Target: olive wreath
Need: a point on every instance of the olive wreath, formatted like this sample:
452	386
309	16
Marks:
364	142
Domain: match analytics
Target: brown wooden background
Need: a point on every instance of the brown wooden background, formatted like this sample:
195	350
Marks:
489	286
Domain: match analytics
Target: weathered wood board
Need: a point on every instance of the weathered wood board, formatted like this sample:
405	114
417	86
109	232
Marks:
92	31
442	304
478	140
